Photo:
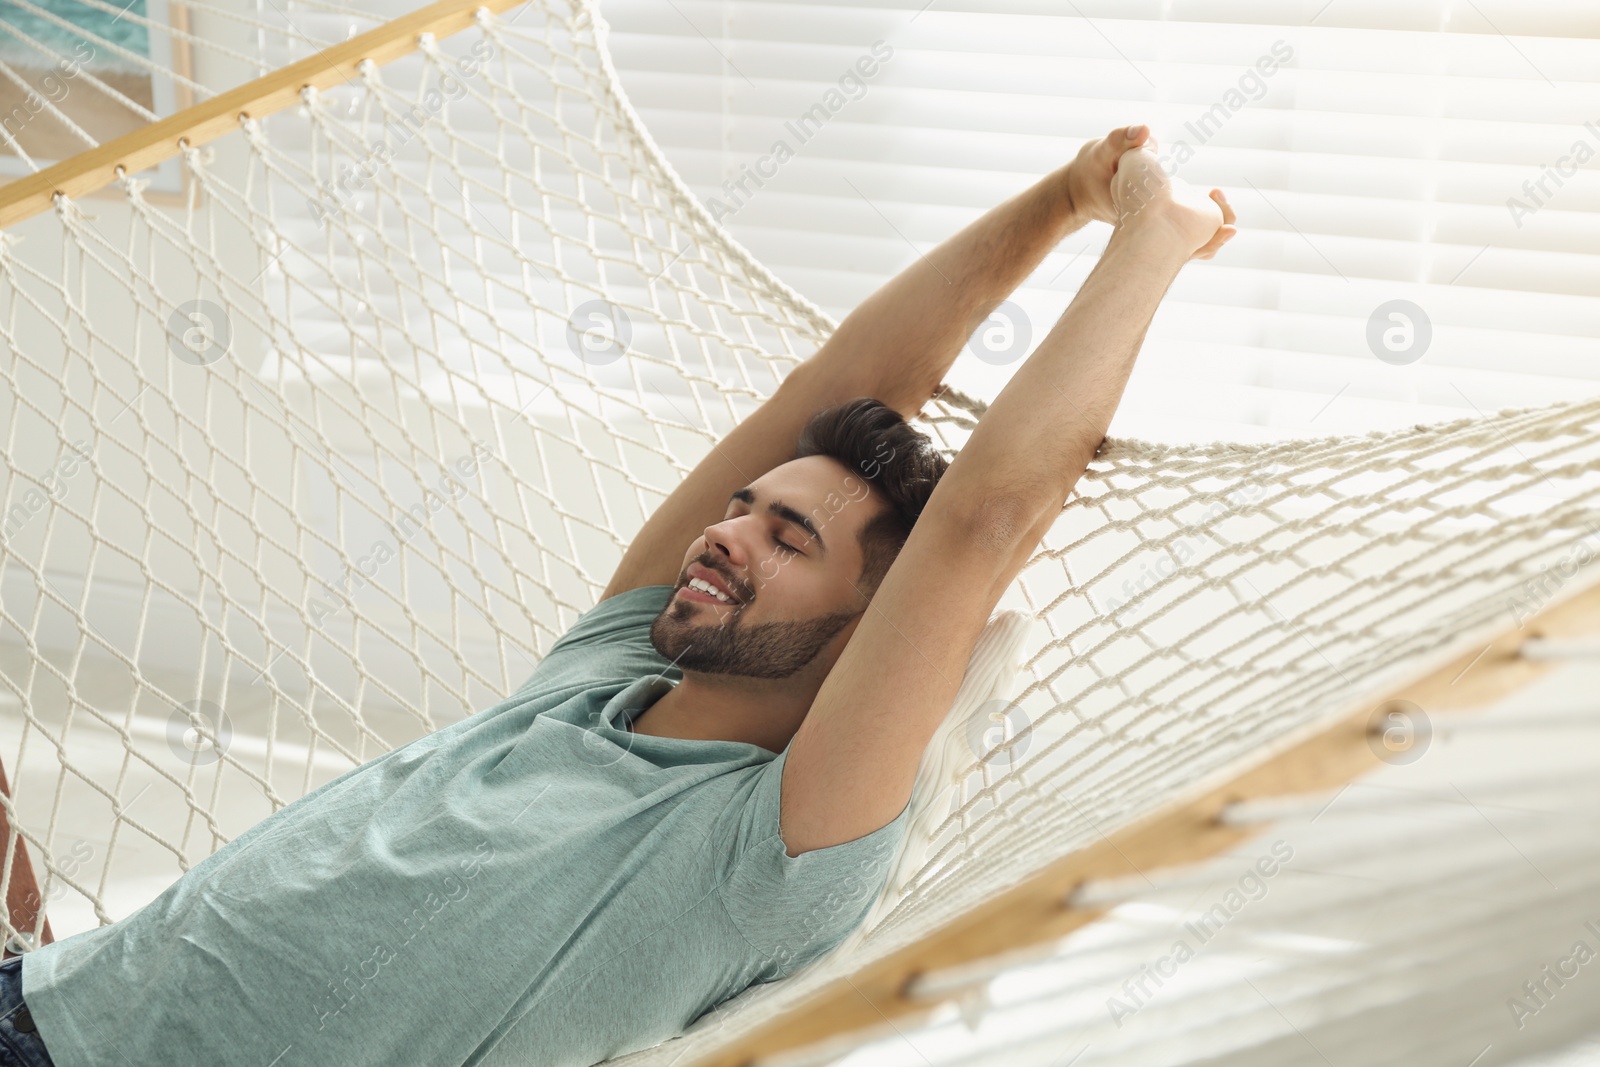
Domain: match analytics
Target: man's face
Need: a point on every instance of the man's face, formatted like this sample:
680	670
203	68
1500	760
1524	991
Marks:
794	588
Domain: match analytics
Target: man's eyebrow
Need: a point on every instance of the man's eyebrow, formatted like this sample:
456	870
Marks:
784	512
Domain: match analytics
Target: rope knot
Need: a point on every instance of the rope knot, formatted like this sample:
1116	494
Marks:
134	187
70	214
196	158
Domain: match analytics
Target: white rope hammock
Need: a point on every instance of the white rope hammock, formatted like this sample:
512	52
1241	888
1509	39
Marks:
283	493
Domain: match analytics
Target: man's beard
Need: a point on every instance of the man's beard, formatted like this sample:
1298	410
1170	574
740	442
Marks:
761	650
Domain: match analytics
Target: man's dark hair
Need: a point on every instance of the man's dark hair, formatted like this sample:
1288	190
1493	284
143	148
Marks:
900	463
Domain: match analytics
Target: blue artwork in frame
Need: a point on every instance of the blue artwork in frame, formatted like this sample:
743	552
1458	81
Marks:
76	74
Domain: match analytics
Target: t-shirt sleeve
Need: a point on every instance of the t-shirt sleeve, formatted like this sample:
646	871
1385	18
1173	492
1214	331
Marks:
610	641
793	909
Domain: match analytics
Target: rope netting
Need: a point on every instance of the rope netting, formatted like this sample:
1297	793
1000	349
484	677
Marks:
327	457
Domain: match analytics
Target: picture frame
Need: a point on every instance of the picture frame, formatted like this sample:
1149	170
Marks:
25	118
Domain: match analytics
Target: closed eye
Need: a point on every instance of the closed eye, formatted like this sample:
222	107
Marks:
789	515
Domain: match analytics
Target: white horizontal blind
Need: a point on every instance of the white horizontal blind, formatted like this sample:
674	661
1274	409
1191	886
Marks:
1441	153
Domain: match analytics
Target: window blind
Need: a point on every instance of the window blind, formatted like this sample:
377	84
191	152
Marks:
1418	182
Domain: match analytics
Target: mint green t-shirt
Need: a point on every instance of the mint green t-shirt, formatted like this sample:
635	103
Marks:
532	886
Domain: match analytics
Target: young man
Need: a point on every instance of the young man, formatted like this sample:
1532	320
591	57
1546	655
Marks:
587	867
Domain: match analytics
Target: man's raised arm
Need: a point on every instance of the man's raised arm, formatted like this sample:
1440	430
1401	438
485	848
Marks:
898	344
1038	436
895	347
852	762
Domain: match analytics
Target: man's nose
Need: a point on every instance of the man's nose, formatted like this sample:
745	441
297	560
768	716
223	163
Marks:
736	545
722	539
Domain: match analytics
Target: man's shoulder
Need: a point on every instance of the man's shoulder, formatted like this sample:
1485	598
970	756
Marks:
619	612
610	640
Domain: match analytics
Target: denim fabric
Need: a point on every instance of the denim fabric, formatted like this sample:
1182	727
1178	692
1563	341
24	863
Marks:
20	1043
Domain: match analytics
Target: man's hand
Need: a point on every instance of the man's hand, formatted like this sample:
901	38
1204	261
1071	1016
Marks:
1144	194
1089	174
